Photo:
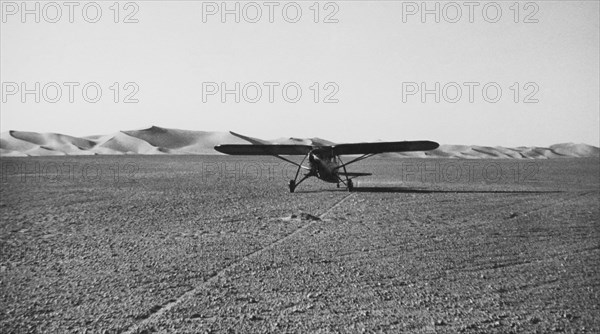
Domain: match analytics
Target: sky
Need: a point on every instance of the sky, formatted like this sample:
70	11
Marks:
490	73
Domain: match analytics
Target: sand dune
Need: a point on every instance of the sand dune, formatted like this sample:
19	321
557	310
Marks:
124	143
36	144
157	140
574	149
184	141
154	140
568	150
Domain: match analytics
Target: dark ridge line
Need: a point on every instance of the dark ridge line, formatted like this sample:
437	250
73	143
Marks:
157	311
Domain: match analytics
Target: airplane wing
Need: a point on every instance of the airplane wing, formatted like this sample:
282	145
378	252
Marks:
341	149
383	147
264	149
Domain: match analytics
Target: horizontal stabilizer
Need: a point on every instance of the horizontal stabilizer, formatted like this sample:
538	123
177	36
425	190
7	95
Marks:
264	149
352	174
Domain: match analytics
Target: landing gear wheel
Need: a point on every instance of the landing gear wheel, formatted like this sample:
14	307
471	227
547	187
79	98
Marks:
292	185
350	185
338	184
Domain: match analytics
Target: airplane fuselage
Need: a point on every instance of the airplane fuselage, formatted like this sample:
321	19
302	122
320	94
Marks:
324	166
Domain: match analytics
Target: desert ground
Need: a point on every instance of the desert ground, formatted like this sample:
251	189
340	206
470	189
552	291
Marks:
192	244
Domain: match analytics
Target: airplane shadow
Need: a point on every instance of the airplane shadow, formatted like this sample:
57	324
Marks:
336	190
427	191
434	191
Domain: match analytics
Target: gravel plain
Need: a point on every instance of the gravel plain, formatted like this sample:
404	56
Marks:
188	244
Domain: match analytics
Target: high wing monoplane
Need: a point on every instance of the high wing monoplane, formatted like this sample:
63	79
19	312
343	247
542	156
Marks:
324	161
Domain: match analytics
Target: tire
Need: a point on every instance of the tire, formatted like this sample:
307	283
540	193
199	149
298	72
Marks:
292	185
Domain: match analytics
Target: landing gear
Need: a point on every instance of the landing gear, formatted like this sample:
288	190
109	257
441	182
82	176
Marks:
292	185
348	182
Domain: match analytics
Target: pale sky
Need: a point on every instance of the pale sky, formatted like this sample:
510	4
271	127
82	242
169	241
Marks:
365	58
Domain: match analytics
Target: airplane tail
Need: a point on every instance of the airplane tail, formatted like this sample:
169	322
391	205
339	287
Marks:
252	140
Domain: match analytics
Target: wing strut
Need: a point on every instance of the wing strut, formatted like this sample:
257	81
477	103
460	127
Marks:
293	183
362	157
293	163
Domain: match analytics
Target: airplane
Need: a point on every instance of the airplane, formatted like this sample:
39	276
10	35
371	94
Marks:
324	161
